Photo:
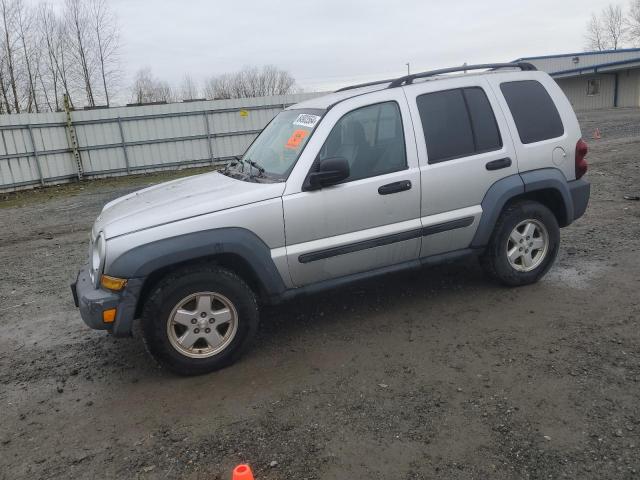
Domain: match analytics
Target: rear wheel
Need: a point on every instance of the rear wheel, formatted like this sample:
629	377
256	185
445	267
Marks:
199	319
524	244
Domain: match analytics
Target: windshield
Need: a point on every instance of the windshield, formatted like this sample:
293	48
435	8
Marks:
279	145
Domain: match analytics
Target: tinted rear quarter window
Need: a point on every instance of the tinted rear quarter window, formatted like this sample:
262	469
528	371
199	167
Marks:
533	111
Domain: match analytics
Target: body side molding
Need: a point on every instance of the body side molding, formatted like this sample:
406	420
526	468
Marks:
446	226
385	240
357	246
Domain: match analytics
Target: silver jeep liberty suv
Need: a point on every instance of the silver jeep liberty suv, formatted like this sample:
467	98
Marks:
371	179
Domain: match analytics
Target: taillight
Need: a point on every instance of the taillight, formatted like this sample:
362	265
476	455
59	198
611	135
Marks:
581	162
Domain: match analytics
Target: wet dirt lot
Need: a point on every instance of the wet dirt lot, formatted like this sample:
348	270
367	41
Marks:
435	374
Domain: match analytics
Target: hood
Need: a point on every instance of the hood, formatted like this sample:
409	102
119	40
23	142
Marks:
179	199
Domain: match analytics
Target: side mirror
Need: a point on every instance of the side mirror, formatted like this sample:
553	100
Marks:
330	171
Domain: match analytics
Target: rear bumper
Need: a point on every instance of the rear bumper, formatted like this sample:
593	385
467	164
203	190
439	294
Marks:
580	190
93	301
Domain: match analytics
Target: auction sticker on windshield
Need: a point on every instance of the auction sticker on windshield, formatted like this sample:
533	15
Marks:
306	120
296	139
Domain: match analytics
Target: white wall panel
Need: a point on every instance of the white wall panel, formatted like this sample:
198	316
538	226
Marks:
166	128
576	91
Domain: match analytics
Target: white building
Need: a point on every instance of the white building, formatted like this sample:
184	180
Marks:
595	79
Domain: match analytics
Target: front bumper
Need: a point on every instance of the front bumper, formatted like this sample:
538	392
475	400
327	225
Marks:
93	301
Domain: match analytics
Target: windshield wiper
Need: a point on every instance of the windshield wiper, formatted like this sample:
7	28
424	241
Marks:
252	164
236	159
256	166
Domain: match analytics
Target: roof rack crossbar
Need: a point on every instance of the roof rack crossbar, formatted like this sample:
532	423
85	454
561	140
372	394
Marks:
408	79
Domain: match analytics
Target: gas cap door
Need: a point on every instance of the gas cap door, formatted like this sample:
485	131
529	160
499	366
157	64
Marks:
559	156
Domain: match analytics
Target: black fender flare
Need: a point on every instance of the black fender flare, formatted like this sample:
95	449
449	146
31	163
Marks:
505	189
143	260
553	179
492	204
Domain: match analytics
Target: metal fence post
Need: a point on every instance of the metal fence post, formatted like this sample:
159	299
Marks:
124	145
72	137
35	154
208	130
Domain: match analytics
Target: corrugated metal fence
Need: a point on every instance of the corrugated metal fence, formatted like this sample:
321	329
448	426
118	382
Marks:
35	149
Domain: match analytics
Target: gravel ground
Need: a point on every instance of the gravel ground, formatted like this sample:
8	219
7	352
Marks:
436	374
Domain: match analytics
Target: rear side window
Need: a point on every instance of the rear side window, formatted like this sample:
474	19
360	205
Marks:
458	123
485	128
534	112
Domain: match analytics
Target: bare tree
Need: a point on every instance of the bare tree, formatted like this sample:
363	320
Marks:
23	19
218	87
54	43
46	52
250	82
9	47
164	92
105	29
607	30
5	106
595	37
189	88
78	23
147	89
45	91
142	89
48	25
63	60
614	25
633	22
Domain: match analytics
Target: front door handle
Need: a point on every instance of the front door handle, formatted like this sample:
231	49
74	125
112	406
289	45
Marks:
498	164
394	187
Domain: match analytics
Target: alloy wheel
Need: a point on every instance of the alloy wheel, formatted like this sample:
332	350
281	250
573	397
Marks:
527	245
202	324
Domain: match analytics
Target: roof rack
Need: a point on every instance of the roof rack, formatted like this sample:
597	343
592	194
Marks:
368	84
408	79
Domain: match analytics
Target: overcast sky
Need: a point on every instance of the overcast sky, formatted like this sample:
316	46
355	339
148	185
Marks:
328	43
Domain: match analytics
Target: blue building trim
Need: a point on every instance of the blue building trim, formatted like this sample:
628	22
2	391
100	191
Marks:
596	67
578	54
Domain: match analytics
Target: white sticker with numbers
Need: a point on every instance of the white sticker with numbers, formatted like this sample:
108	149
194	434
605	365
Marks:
306	120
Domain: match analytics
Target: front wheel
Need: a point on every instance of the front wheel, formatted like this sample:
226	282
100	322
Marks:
199	319
524	244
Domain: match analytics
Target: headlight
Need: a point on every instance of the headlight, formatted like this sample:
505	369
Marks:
98	251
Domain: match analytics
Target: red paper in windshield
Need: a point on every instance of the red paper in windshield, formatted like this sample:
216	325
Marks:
296	138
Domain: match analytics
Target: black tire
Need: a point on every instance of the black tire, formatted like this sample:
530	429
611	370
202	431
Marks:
179	285
494	260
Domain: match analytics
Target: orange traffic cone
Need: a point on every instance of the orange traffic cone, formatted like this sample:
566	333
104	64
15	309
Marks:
242	472
596	134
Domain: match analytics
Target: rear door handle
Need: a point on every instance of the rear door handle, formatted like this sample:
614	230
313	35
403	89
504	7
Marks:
394	187
498	164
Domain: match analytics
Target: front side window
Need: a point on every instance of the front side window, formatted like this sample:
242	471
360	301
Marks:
533	111
276	150
458	123
371	139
